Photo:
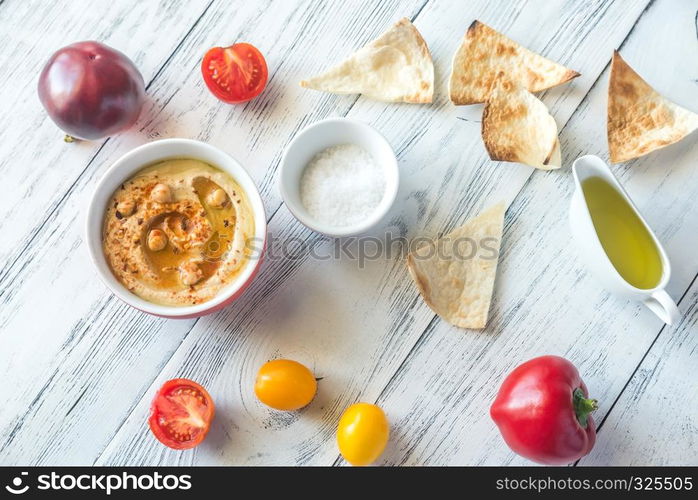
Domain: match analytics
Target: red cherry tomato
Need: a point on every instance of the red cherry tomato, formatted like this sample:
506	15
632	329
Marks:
235	74
181	414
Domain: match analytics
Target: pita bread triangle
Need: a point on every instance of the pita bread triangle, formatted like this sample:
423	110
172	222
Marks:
640	120
485	55
395	67
455	274
517	127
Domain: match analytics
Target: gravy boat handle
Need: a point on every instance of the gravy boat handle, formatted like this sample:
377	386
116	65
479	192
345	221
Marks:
663	306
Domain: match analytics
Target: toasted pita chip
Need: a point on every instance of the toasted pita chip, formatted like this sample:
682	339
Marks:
455	274
486	54
640	120
516	126
395	67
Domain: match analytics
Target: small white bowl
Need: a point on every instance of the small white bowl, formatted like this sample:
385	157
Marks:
319	136
123	169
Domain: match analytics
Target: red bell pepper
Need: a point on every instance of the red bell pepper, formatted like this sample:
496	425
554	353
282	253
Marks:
543	412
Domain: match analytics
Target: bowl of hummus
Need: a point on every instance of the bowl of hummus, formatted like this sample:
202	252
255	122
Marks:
176	228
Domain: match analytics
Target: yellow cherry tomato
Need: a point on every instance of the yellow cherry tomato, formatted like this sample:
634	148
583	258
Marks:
284	384
362	433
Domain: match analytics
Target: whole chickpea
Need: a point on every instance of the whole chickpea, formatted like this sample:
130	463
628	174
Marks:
157	240
161	193
190	273
217	198
126	208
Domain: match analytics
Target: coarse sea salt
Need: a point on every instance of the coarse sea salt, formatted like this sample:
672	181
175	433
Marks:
342	185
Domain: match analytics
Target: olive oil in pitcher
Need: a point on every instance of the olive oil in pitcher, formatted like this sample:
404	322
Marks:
628	244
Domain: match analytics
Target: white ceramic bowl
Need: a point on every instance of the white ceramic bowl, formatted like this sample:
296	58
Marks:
123	169
319	136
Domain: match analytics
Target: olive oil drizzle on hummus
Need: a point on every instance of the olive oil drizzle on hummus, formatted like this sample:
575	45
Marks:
177	232
166	262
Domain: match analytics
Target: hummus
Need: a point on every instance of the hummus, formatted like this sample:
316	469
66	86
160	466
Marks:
177	232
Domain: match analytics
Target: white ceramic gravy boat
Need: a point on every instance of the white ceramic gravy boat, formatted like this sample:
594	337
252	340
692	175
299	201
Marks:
592	251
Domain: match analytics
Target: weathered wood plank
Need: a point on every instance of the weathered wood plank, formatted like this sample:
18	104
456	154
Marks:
655	420
545	303
84	366
355	326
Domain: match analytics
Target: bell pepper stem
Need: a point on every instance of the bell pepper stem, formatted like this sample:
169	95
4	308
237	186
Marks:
583	407
69	138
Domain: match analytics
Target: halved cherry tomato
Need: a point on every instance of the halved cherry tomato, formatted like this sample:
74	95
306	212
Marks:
181	414
235	74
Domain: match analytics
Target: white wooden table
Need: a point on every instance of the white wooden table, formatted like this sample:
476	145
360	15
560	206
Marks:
79	368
